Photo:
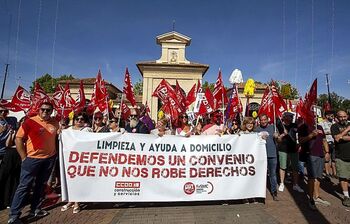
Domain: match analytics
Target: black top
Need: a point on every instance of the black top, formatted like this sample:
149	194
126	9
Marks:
342	148
140	128
288	143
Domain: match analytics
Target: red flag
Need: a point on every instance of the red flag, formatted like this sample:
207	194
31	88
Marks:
181	98
219	93
80	101
199	87
125	110
171	111
309	102
99	96
57	97
128	89
191	96
21	98
270	100
299	108
266	104
207	103
278	101
166	93
311	96
235	105
39	97
9	105
67	102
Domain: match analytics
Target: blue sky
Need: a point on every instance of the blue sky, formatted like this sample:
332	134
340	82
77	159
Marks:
288	40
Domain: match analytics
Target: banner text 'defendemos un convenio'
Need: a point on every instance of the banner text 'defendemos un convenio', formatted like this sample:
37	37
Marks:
113	167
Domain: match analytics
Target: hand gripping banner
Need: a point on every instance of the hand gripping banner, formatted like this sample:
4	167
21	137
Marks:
113	167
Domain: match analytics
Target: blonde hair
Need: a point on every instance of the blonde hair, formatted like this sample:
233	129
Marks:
247	120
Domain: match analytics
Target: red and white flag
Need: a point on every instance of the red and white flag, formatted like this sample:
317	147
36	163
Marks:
234	107
57	97
80	101
9	105
128	89
219	92
99	96
207	103
21	98
67	102
181	98
38	98
166	93
125	110
272	103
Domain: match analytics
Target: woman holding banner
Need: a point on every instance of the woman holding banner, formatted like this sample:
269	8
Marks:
79	122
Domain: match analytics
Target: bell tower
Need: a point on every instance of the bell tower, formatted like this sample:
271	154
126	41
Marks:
171	66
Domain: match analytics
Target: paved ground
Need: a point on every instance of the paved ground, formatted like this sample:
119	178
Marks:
292	208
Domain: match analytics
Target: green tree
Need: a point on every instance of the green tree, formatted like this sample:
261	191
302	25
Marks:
337	102
49	83
138	87
206	84
286	90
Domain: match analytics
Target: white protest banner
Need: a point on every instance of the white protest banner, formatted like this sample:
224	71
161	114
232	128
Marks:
113	167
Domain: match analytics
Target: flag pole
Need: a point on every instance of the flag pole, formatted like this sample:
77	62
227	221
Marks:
120	109
229	102
223	108
274	117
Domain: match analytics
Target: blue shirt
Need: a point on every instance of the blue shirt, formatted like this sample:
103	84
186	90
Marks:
270	142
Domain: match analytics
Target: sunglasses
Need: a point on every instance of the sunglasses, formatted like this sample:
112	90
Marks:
45	109
98	118
4	111
184	117
79	119
133	115
112	121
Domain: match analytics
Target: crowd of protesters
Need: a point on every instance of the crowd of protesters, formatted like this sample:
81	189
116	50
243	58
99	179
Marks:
28	150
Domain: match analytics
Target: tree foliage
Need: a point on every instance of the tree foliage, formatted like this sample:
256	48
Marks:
337	102
206	84
138	87
286	90
49	83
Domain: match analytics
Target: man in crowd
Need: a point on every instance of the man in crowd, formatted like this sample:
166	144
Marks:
5	130
144	118
287	150
341	134
215	127
313	142
36	145
6	135
135	125
326	125
270	151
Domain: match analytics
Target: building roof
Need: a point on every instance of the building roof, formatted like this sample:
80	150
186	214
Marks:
171	36
155	64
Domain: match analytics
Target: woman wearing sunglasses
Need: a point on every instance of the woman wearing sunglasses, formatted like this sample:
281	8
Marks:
99	126
79	124
183	129
115	127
